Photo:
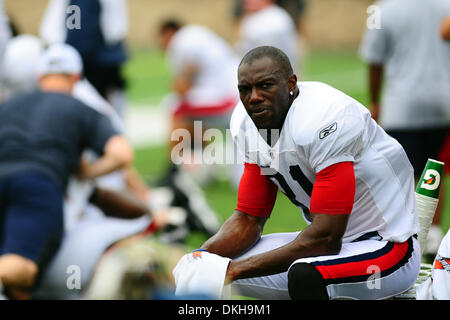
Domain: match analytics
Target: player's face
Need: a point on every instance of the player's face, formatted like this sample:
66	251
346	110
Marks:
264	92
164	38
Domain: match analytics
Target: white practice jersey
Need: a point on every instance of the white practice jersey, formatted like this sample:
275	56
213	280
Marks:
216	63
325	126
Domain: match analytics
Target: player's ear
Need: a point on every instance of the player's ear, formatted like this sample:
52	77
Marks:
292	82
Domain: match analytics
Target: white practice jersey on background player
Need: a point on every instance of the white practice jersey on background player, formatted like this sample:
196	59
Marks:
272	26
323	127
215	61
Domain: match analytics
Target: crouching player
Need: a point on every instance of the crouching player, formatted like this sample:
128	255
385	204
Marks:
352	182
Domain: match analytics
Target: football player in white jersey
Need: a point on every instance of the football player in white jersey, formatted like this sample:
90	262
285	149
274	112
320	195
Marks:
203	90
281	32
352	182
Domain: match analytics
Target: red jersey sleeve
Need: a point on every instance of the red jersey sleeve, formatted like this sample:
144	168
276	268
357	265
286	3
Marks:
334	190
257	194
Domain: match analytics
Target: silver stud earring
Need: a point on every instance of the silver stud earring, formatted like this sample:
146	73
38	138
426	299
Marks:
291	93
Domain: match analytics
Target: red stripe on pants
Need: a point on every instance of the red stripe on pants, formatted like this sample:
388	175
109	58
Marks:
360	268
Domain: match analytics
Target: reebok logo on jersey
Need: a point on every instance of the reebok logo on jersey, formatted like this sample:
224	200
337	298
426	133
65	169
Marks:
431	181
325	132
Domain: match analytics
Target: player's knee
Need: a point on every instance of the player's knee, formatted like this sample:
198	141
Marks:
16	270
306	283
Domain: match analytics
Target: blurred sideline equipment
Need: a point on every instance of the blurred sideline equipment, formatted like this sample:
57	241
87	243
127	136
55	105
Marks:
84	220
427	198
5	30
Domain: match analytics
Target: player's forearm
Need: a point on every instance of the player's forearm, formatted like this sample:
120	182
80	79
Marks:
184	81
311	242
182	86
118	154
375	83
120	205
239	233
136	184
445	29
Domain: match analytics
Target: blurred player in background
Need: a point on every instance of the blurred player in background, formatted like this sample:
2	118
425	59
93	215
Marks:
409	57
94	214
295	8
20	77
46	132
445	28
204	82
437	287
319	147
265	23
99	37
5	31
88	231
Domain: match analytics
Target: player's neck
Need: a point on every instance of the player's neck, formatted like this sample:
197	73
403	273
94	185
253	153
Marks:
57	83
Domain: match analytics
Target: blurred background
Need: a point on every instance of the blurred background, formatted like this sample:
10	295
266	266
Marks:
330	24
330	33
327	26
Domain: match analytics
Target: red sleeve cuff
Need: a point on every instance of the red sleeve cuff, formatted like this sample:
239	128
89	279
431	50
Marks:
257	194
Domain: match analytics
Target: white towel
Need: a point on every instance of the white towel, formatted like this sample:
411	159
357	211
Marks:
201	272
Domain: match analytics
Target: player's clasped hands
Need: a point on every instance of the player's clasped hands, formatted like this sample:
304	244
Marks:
202	273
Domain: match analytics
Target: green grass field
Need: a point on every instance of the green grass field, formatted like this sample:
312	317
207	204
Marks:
149	80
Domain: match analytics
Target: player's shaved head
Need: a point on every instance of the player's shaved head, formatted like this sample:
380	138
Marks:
167	30
275	54
170	25
267	86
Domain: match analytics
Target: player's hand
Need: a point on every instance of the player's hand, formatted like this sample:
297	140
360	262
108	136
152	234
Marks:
83	170
201	272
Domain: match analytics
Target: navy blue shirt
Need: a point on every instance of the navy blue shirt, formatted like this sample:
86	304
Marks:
89	40
47	132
